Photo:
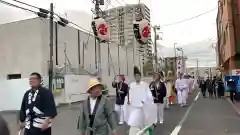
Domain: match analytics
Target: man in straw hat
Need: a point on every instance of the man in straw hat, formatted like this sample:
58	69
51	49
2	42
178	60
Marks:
97	113
139	110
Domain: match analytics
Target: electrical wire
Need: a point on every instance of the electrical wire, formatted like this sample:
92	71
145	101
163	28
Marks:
194	17
48	11
118	2
88	31
13	5
25	4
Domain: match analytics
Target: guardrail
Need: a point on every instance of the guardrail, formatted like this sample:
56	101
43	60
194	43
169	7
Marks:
148	129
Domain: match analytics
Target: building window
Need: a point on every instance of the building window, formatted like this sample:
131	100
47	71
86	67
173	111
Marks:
14	76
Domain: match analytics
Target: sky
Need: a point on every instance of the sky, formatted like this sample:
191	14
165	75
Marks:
163	12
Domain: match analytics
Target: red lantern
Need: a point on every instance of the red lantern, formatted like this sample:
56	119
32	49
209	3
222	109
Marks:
145	30
101	30
142	31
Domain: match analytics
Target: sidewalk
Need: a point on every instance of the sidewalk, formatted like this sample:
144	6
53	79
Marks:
211	117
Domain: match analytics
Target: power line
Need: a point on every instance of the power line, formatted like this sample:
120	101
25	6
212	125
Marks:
194	17
44	9
118	2
12	5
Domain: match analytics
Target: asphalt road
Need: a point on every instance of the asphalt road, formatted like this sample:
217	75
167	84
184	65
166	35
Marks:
211	117
201	117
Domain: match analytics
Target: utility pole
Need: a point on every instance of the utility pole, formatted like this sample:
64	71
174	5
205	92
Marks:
155	47
197	69
175	60
118	53
183	61
51	47
97	10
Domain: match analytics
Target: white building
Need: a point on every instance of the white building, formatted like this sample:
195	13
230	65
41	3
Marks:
121	21
25	48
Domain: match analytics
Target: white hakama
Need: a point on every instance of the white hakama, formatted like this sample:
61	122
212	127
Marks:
182	87
141	111
191	83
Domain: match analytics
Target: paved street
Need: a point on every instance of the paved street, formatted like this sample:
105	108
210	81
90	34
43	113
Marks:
203	117
211	117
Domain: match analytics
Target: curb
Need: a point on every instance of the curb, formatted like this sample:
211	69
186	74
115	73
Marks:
234	107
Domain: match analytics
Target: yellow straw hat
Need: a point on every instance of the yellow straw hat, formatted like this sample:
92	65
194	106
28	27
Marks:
92	83
170	72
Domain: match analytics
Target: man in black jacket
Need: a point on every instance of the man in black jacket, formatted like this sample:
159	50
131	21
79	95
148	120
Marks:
209	86
159	92
220	86
203	87
3	127
121	93
214	86
231	84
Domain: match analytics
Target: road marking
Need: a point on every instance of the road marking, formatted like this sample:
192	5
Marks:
179	126
234	107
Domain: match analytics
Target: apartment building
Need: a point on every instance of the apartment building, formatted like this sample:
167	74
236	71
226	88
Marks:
228	31
121	21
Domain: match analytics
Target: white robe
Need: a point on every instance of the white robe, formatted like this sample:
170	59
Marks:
190	83
141	111
182	86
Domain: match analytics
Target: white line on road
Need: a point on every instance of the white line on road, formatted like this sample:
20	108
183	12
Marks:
179	126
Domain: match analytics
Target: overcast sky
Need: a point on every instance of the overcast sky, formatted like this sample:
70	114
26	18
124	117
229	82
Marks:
163	12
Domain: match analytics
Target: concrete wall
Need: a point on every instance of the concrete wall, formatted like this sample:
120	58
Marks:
12	91
25	49
20	48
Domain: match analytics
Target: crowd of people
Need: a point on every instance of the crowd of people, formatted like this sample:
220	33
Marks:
214	86
141	103
138	104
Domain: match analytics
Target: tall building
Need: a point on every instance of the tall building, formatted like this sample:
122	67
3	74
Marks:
121	21
228	29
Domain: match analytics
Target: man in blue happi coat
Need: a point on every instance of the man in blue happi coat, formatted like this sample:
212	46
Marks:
38	108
